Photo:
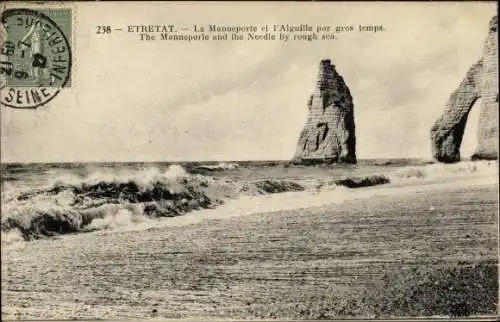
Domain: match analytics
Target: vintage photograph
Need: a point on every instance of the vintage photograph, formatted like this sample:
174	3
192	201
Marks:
253	160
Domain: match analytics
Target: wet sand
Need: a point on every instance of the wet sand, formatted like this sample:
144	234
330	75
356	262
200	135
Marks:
330	260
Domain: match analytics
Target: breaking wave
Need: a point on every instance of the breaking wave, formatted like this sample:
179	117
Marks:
106	200
441	171
219	166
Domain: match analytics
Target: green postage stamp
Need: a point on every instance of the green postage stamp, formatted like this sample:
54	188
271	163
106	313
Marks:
35	61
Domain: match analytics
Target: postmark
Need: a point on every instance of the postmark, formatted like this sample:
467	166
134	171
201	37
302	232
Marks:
35	57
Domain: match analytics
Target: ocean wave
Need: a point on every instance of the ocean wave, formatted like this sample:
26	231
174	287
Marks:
104	199
219	166
440	170
71	204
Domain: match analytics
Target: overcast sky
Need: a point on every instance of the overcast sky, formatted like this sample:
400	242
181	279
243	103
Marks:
159	101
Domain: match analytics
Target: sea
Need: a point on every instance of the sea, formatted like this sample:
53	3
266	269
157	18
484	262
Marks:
43	200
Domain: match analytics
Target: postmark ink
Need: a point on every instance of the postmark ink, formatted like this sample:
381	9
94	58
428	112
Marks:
35	56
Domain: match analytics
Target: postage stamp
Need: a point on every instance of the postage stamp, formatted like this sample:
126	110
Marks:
35	61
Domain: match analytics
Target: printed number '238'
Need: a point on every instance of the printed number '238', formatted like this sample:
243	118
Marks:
103	30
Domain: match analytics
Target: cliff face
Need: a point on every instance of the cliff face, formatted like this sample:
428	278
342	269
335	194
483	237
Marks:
480	82
488	118
328	135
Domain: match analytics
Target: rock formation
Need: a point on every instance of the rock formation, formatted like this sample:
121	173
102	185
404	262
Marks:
480	82
328	135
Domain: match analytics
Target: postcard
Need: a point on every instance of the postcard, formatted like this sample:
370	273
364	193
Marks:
249	160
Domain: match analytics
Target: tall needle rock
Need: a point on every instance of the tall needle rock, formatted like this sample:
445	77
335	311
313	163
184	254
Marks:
328	135
480	82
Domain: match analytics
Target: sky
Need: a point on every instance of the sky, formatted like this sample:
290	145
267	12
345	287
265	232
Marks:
132	100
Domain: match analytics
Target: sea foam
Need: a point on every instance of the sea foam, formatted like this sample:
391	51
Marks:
114	199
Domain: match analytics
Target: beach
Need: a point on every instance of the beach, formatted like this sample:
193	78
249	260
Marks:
418	247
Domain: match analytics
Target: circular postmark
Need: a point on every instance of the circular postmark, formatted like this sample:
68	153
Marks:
35	59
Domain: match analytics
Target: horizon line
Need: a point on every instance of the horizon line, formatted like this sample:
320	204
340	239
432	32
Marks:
209	160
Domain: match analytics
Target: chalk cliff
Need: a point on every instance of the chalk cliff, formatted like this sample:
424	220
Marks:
328	135
480	82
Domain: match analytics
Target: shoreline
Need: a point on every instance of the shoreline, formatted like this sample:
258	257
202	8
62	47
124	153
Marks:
245	205
297	263
294	201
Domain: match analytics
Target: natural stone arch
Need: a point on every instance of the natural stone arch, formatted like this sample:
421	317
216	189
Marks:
480	82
